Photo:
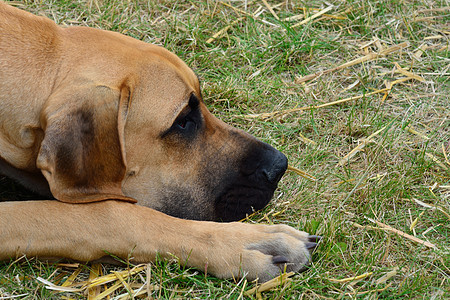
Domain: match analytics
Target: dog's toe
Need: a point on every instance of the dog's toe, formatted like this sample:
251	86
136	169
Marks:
276	260
311	246
314	238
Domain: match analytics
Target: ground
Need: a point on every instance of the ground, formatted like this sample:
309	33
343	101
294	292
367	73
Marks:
374	167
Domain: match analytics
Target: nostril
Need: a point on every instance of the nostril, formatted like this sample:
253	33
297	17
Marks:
275	170
267	174
273	176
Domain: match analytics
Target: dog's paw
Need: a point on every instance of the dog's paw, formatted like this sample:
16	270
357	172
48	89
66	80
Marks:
266	251
281	248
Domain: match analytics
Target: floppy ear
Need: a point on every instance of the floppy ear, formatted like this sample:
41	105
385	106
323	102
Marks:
82	154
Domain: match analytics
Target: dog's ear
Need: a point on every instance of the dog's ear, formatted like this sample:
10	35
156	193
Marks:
82	155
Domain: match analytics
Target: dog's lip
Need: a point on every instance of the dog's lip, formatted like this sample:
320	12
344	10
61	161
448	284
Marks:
235	203
247	189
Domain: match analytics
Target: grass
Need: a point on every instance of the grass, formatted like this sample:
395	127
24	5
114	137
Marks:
402	173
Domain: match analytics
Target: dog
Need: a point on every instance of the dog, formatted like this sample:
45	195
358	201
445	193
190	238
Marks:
115	133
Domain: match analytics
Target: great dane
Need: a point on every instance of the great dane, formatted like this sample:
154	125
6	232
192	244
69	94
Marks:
116	133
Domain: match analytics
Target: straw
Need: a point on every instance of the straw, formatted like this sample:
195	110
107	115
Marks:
368	57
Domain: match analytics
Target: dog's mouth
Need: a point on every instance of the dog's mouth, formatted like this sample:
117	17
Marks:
240	201
233	201
254	186
250	193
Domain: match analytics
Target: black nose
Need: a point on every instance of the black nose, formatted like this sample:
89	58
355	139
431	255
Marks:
274	166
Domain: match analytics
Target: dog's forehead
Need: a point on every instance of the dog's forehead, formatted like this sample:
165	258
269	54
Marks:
164	59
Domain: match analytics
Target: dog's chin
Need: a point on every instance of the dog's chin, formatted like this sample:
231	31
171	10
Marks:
231	204
240	201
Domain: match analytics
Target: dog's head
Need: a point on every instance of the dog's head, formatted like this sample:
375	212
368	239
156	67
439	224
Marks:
144	133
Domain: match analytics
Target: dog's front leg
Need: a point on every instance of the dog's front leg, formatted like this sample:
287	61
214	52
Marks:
86	232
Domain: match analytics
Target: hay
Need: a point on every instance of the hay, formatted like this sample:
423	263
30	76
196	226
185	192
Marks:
401	233
414	223
96	282
445	155
359	148
387	276
223	30
436	160
316	15
410	129
279	113
308	9
385	91
306	140
408	74
301	173
370	291
238	10
432	207
366	58
349	279
281	280
71	279
270	9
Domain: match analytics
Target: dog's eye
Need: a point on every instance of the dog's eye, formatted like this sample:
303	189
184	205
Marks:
186	123
182	123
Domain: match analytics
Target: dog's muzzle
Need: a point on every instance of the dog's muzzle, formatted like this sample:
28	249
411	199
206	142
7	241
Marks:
253	185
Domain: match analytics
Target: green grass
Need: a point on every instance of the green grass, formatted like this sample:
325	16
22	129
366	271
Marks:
252	69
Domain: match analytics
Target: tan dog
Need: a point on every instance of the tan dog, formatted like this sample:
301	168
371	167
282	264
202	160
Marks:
87	116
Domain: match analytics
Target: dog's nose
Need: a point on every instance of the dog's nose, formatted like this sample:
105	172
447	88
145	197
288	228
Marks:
275	167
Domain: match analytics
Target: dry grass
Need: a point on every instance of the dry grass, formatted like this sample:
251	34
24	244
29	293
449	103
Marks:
356	95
